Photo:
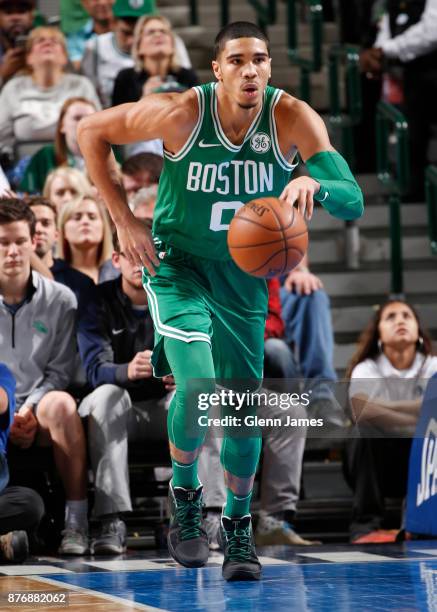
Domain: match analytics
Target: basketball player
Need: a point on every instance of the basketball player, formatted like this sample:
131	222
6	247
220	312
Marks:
225	143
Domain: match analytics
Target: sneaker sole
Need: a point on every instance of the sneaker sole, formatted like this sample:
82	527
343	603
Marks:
107	550
173	554
73	551
242	575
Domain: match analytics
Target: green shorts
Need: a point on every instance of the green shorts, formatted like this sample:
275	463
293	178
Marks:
195	299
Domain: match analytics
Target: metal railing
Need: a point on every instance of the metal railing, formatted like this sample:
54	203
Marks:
431	202
345	119
266	12
389	118
306	65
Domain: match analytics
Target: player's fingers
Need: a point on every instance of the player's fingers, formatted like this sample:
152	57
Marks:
310	204
149	248
301	202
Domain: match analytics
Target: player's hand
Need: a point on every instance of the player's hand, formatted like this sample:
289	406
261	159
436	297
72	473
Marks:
302	282
141	366
136	244
300	192
169	382
24	427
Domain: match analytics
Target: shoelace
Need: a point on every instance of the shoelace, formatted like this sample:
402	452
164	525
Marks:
188	515
240	544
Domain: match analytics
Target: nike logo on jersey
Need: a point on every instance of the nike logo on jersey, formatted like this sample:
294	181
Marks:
204	145
117	331
325	197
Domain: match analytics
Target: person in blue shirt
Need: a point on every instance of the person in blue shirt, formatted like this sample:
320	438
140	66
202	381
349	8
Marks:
21	509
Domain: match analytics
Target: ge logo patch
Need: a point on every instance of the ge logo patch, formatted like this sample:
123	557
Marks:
136	4
260	142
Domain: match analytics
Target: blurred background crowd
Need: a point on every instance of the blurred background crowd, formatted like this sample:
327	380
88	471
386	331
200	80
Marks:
77	351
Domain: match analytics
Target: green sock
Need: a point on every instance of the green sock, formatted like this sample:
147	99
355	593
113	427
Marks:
236	506
185	475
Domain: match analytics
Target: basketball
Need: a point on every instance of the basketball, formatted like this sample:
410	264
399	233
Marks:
267	237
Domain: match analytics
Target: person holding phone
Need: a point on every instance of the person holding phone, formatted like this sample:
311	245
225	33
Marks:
16	20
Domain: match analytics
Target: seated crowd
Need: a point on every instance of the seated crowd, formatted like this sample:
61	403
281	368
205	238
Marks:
76	333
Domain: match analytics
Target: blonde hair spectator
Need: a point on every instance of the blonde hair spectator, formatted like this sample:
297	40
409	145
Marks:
85	239
64	184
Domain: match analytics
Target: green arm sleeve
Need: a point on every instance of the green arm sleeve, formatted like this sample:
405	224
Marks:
339	192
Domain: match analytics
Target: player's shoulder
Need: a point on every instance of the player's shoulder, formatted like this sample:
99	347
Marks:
291	109
172	109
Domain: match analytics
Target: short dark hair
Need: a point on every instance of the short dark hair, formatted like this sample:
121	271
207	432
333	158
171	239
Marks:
141	162
238	29
41	201
13	209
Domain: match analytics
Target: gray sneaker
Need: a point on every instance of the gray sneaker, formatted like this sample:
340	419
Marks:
212	526
74	541
111	540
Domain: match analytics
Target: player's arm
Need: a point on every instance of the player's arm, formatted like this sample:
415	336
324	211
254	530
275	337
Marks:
162	116
332	183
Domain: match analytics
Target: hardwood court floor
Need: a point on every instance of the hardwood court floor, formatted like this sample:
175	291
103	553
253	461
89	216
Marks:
328	578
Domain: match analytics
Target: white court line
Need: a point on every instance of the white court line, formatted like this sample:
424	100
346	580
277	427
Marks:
98	594
425	551
125	565
30	570
346	557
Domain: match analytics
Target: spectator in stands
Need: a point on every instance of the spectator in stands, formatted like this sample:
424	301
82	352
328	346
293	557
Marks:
21	509
107	54
407	38
388	376
30	104
128	404
100	21
139	171
65	150
46	238
155	67
309	336
37	332
16	19
85	241
65	184
143	203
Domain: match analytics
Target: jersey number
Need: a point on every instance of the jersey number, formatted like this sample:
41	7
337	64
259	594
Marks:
216	224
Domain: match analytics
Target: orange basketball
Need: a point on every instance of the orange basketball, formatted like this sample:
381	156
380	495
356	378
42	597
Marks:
267	237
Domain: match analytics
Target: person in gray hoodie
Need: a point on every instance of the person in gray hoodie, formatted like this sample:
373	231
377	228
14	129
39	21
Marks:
38	344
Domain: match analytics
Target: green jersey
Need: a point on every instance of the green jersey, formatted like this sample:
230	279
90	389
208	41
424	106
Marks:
210	178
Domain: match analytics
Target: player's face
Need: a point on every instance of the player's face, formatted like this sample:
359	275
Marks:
46	233
15	250
85	227
398	326
244	68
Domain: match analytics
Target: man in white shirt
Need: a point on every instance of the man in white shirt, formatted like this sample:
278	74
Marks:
408	34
